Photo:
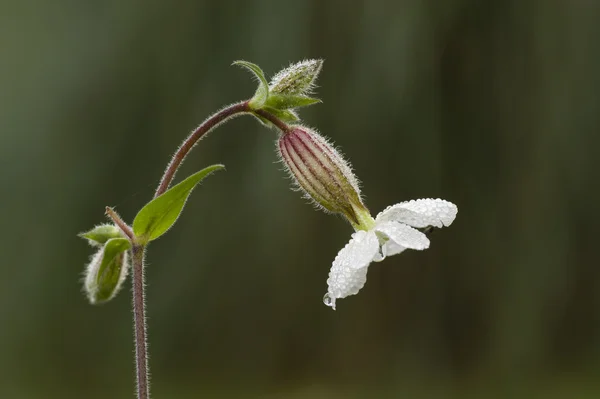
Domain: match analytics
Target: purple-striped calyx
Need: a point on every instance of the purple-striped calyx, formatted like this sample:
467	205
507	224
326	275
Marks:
323	174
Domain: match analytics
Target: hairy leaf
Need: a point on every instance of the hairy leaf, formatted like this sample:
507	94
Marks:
102	233
262	92
286	101
107	271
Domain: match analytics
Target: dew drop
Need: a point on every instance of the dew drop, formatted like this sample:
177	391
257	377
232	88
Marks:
329	301
381	253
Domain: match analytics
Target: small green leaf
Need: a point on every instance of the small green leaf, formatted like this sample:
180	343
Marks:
102	233
158	215
107	271
262	92
262	120
283	114
286	101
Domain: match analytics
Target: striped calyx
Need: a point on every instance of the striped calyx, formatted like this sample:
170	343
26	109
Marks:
323	174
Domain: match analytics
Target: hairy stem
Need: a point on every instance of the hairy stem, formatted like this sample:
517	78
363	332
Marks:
139	322
274	120
138	251
205	127
119	222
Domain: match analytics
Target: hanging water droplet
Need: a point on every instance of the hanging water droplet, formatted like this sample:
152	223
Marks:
381	253
329	301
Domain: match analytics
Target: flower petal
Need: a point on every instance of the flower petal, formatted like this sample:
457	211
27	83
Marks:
391	248
343	283
348	272
402	235
420	213
359	252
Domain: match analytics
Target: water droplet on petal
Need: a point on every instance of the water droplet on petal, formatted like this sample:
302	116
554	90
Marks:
381	253
329	301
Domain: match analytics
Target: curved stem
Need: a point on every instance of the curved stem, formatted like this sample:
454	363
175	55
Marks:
138	251
274	120
139	319
205	127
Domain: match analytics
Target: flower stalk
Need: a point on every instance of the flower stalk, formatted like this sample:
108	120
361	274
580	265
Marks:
205	127
119	222
139	319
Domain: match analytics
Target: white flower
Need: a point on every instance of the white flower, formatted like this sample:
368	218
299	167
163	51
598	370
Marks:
392	231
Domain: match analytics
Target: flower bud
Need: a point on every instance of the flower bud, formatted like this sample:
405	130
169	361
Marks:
107	271
298	78
99	235
322	173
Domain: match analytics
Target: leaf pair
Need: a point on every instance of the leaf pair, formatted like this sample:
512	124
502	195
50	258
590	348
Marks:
109	267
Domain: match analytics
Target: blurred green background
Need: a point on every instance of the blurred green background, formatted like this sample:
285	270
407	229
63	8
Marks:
492	105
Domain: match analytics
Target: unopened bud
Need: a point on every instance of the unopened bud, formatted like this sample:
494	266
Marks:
298	78
99	235
322	173
107	271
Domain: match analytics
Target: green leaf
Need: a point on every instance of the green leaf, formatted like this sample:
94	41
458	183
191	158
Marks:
262	120
262	92
100	234
283	114
286	101
158	215
107	271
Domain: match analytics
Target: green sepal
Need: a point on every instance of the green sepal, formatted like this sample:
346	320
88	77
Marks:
287	101
105	279
158	215
262	120
283	114
262	92
102	233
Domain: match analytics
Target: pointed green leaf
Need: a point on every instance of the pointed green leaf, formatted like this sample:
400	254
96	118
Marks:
283	114
286	101
158	215
263	121
102	233
262	92
107	271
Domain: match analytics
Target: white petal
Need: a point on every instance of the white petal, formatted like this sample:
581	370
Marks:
387	248
343	283
359	252
391	248
403	235
348	272
420	213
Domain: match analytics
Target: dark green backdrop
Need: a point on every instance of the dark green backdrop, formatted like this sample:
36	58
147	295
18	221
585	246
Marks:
492	105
